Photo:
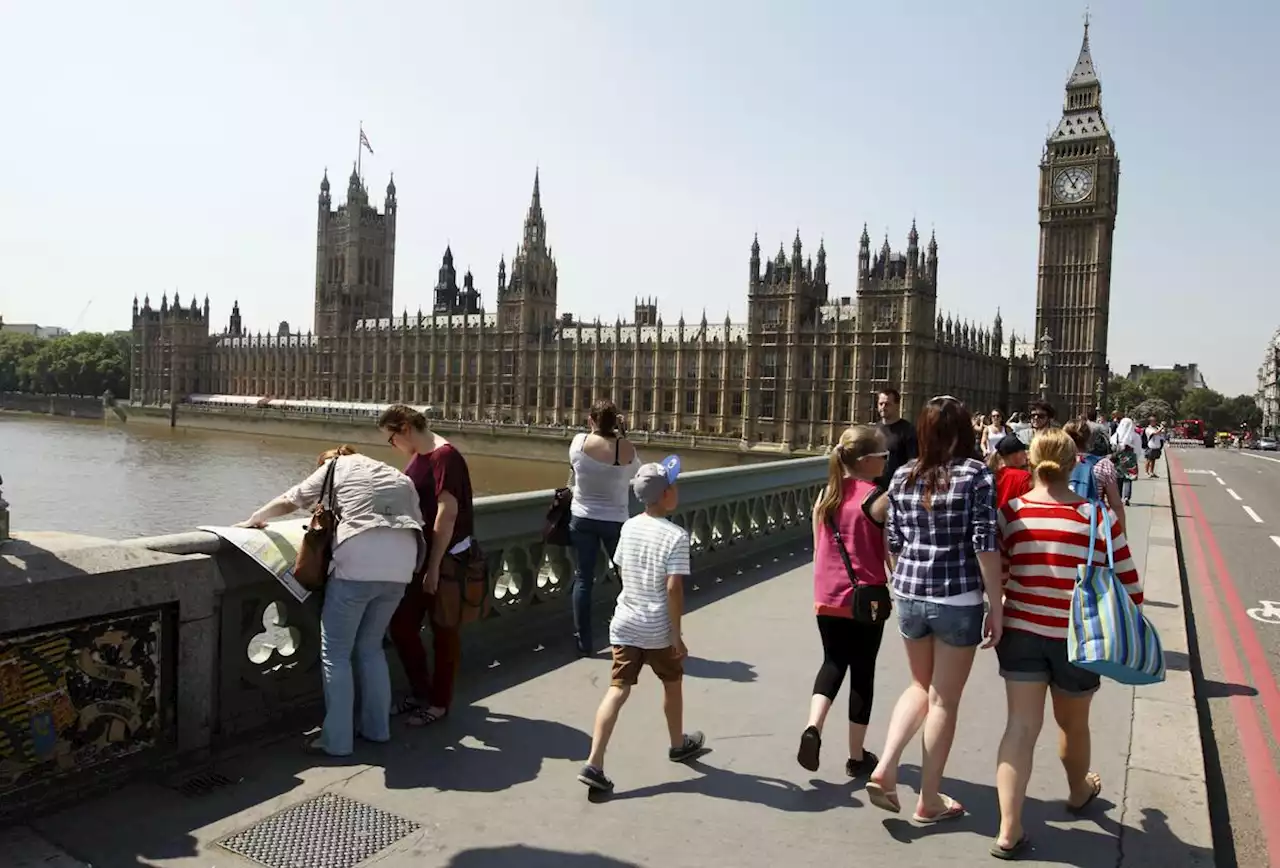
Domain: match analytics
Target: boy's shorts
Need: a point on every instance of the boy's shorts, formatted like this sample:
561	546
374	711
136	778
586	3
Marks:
628	660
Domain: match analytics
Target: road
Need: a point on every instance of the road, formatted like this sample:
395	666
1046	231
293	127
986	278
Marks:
1228	512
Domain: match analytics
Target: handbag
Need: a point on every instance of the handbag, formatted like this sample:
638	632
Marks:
463	593
871	603
311	566
1107	633
555	530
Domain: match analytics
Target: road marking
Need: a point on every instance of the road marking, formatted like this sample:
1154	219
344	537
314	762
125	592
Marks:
1253	515
1221	481
1197	470
1276	540
1268	612
1234	495
1262	457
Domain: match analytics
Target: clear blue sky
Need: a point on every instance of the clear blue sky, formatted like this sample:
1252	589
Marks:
157	145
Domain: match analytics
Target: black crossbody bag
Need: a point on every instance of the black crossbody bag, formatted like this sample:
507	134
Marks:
872	604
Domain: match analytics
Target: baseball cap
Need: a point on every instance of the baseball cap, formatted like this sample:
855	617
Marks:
1010	444
651	480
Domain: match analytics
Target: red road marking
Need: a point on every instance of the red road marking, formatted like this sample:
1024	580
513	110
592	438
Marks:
1262	771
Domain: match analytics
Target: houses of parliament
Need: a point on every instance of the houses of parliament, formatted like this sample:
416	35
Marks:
803	364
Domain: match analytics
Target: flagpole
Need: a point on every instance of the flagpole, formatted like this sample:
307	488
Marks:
360	152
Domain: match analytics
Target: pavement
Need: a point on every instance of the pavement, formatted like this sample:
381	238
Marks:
1228	513
494	784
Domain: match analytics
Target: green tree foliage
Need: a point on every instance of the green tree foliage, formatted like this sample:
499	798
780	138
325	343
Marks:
1203	404
1242	409
1124	395
1152	407
87	364
1167	386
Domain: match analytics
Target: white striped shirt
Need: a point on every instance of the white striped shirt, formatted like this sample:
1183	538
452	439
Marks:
649	550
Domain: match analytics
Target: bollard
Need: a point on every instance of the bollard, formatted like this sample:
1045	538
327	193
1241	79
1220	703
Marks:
4	516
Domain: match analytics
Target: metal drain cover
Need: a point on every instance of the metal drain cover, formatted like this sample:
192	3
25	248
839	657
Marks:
328	831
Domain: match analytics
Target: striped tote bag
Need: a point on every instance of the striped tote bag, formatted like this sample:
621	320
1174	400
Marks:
1107	633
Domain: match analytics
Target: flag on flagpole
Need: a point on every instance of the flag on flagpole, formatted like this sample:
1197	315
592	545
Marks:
364	141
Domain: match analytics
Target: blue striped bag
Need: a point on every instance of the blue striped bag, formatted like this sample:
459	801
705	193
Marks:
1107	633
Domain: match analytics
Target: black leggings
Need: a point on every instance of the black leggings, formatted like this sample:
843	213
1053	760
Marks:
847	644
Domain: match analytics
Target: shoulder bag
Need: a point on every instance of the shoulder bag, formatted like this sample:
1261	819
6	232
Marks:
555	530
463	593
871	603
311	567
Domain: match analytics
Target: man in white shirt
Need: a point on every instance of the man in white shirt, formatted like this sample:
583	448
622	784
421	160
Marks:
652	558
1155	437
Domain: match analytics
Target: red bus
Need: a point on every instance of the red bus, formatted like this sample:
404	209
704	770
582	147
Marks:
1189	429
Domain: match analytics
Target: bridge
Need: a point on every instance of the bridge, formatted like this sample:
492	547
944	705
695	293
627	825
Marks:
185	753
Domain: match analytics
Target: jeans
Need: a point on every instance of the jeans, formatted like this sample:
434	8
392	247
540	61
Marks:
434	690
1126	488
958	626
352	624
587	534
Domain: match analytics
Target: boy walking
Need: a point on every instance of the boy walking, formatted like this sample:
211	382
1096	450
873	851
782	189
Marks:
653	559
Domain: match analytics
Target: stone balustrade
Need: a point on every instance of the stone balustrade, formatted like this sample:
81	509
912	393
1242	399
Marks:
117	656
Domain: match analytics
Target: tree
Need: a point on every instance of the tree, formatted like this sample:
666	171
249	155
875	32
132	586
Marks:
1166	386
1202	404
1152	407
86	364
1124	394
1242	409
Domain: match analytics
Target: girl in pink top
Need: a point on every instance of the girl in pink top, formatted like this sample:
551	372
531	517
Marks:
858	508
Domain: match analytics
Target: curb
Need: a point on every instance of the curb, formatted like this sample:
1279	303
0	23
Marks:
1165	775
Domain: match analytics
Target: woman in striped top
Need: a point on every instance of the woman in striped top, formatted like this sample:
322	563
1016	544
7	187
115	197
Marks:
1045	536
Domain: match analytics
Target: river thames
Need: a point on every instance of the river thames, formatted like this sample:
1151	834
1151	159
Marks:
118	481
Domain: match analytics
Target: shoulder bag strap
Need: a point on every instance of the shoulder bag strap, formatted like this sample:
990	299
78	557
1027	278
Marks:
1111	543
844	553
1093	533
617	450
328	489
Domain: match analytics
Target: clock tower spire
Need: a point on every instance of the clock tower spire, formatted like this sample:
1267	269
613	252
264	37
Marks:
1079	183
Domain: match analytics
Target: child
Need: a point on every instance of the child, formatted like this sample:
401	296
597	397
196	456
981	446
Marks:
1127	464
1009	464
653	559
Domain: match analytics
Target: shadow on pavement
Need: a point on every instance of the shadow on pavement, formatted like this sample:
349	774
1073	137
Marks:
520	856
724	670
1177	661
1223	689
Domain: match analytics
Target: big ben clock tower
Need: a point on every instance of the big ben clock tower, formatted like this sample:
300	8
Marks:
1079	185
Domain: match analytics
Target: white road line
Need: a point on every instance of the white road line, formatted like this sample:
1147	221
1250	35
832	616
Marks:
1253	515
1234	495
1221	481
1276	540
1263	457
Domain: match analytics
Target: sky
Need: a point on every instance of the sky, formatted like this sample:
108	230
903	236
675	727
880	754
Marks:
154	146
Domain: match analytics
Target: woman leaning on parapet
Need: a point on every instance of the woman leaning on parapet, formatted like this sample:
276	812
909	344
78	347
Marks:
603	461
378	546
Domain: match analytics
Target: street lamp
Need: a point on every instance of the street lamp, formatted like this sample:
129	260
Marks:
1045	353
1097	396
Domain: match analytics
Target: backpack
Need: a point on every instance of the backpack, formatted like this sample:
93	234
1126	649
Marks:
1144	438
1083	483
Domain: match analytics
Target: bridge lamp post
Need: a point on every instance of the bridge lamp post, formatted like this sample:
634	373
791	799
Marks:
1045	353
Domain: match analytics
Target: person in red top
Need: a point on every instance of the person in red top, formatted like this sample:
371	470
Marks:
1009	464
440	474
1044	536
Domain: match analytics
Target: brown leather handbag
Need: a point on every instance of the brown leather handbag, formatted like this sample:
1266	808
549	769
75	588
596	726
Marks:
463	593
311	568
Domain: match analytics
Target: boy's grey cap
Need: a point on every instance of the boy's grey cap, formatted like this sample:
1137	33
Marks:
651	480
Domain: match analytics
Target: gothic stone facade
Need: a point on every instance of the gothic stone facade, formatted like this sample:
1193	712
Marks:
800	367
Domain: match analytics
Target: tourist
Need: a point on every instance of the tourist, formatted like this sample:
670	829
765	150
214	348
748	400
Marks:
942	536
899	434
1126	461
603	462
1115	421
653	560
1154	437
1094	478
854	504
1042	416
992	434
440	474
1045	535
1009	465
377	548
979	428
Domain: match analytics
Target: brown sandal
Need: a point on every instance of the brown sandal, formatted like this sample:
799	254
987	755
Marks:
1095	781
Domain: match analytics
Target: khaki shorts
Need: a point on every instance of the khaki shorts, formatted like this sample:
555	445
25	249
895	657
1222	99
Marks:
629	660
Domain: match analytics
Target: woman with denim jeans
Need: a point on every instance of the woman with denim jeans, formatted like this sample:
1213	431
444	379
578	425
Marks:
603	463
377	548
943	545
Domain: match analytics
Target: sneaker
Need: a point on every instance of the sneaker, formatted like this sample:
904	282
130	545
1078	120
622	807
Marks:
810	748
688	749
595	779
863	767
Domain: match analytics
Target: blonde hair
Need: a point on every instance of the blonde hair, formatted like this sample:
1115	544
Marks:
1053	455
856	443
334	453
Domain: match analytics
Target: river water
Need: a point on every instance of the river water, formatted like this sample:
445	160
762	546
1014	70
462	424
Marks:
118	481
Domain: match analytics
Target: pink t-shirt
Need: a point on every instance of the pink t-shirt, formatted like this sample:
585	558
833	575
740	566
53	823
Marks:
863	540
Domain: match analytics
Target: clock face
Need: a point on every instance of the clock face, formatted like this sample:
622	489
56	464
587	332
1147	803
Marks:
1073	184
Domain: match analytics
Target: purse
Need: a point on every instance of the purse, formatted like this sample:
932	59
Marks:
1107	633
555	530
872	604
311	567
463	593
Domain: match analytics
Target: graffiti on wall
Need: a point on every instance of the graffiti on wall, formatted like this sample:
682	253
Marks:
79	695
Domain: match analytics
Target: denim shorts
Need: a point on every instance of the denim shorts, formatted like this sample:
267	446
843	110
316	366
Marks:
960	626
1028	657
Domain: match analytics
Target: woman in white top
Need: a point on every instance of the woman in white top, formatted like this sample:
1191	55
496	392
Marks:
378	547
603	463
991	434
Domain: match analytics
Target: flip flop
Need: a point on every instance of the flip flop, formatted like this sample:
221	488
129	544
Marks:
953	811
424	717
1008	854
882	798
1095	780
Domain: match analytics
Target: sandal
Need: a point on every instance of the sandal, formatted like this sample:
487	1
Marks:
421	716
1095	782
883	799
404	706
1008	854
952	810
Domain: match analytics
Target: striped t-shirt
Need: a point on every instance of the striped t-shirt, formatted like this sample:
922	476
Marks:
1043	543
649	550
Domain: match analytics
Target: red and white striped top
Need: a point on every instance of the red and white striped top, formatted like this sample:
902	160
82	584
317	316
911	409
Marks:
1043	543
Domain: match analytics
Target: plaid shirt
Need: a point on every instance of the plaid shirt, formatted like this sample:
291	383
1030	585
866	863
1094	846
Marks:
937	548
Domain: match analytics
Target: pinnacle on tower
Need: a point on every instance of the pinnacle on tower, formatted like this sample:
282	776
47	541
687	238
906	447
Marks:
755	246
324	182
913	237
865	241
1083	74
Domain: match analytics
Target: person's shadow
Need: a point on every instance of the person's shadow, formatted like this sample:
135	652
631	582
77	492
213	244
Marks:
724	670
510	751
520	856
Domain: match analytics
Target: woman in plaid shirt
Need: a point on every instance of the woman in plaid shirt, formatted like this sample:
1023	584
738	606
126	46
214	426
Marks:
943	544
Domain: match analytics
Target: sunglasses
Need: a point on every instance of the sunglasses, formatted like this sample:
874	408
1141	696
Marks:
1039	415
875	455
